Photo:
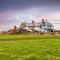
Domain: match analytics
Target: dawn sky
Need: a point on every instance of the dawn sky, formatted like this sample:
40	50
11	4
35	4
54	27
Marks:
13	12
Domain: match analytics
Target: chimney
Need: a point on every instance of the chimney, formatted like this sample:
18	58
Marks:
33	24
15	29
42	20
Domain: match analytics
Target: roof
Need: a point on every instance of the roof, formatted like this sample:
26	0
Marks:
30	24
46	23
43	23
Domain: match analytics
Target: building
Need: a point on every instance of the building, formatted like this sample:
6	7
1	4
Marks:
43	26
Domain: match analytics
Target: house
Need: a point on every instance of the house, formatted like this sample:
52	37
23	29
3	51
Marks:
43	26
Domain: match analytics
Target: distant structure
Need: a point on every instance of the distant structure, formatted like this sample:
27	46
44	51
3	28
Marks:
43	26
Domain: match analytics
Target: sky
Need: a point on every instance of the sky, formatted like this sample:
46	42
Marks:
13	12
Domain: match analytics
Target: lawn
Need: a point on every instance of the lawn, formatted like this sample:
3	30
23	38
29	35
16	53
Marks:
29	47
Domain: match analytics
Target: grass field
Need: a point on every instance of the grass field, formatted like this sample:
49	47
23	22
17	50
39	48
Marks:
29	47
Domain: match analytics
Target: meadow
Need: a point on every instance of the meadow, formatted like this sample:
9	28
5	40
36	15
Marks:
29	47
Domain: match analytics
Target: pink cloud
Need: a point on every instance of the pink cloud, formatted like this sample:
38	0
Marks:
6	15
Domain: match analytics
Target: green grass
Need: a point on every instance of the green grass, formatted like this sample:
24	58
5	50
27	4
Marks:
29	47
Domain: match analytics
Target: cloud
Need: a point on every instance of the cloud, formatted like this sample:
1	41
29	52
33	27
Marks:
24	4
